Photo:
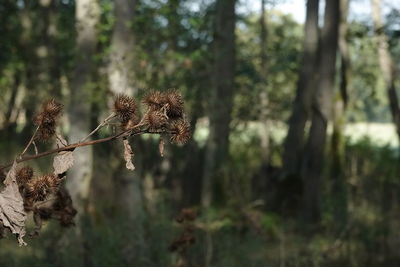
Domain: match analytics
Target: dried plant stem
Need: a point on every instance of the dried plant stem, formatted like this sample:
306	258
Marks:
106	120
30	142
128	133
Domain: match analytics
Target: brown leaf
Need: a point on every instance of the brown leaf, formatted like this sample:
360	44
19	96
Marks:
12	214
64	160
161	147
128	154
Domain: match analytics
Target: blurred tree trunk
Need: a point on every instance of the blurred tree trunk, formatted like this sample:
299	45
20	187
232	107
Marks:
13	97
79	177
264	134
294	142
120	73
386	63
339	194
322	109
219	111
220	108
127	187
388	71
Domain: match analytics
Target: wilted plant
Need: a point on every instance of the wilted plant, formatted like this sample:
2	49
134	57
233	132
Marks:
186	238
42	194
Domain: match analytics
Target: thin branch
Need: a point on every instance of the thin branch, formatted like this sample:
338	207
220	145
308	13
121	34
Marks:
106	120
128	133
29	143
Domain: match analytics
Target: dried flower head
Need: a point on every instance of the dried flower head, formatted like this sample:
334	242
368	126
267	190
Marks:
175	104
24	174
156	119
154	100
38	189
181	131
124	107
52	107
46	119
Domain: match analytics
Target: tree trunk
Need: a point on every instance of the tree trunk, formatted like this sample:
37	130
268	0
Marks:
386	63
220	105
120	73
388	69
127	185
294	142
322	109
221	96
79	177
339	194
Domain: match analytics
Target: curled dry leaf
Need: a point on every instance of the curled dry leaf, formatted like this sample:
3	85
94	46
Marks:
64	160
12	214
128	154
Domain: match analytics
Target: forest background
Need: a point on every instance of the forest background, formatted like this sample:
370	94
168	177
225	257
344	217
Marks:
294	159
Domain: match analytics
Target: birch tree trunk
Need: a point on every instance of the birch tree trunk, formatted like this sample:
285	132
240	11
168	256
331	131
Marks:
127	184
120	73
322	110
294	142
79	177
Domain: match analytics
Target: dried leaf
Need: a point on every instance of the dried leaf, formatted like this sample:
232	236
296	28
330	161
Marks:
161	146
128	154
12	214
64	160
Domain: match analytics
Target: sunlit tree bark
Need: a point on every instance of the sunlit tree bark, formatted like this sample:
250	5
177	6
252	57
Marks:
127	188
79	177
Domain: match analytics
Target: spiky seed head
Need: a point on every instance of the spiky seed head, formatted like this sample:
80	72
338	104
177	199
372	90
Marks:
46	131
124	107
154	100
46	119
38	189
24	174
181	131
156	119
52	107
48	113
175	104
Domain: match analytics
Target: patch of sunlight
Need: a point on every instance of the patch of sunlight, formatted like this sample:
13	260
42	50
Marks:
380	134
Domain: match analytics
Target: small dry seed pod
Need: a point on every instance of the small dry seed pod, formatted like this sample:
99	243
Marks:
181	132
156	119
39	188
154	100
46	119
124	107
24	174
175	104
